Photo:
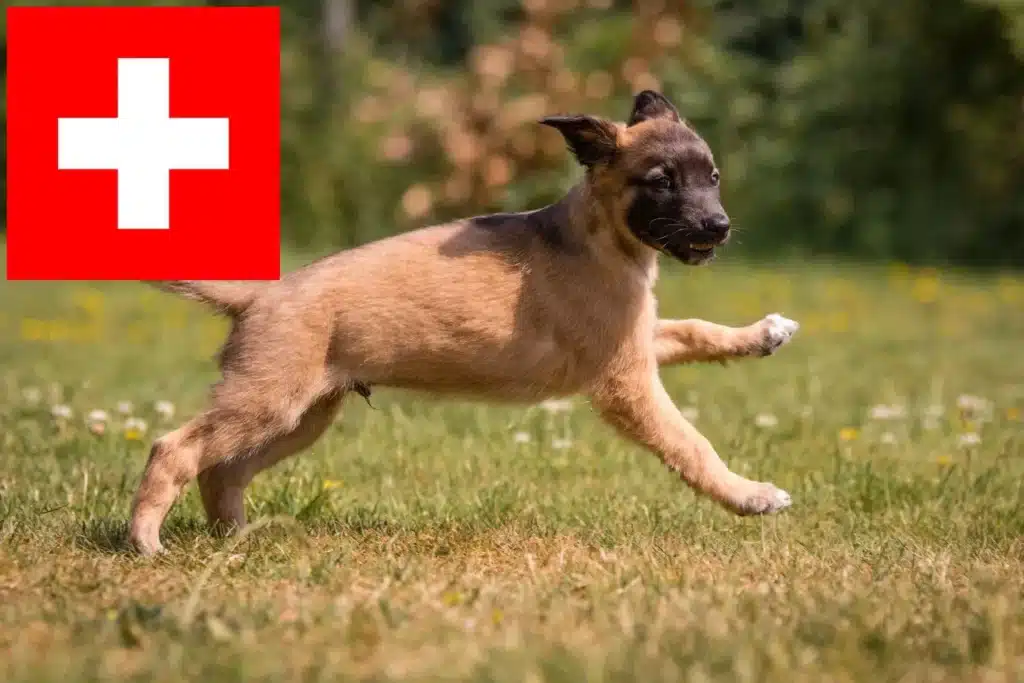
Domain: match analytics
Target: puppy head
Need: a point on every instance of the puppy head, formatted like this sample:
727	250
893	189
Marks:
657	173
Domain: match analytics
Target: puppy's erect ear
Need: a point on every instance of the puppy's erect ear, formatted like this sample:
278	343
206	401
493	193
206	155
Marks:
652	105
591	139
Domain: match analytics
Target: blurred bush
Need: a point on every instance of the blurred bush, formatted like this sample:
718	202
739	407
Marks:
876	129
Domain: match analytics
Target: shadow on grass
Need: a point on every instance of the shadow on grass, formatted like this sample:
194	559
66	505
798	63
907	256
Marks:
433	534
110	536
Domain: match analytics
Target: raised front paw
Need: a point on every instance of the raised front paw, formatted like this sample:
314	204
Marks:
774	332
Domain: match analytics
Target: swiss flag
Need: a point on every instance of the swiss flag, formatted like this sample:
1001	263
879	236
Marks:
143	143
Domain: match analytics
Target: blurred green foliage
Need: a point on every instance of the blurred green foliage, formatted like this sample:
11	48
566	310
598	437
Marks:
876	129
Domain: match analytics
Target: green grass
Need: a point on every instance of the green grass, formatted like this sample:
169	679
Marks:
423	540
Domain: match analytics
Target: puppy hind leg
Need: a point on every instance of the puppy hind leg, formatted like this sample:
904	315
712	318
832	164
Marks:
173	462
222	486
229	432
222	489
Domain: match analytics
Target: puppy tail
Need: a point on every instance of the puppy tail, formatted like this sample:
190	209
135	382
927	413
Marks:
227	297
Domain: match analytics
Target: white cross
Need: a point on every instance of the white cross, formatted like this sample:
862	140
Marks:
143	144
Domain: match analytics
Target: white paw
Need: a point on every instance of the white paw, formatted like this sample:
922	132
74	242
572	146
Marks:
782	500
777	331
148	550
765	500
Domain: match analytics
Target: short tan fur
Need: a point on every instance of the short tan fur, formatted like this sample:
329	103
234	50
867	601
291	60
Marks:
506	307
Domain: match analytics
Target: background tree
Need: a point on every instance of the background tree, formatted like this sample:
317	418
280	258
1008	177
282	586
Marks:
887	130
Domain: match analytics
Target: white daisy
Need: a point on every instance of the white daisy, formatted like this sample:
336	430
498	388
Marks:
61	411
969	439
556	405
521	437
125	407
974	406
561	444
766	421
165	409
887	412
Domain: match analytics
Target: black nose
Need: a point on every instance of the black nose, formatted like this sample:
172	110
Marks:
718	224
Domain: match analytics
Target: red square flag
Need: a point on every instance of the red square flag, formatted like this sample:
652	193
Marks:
143	143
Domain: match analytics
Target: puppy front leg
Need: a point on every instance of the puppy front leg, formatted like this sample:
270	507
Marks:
642	410
694	340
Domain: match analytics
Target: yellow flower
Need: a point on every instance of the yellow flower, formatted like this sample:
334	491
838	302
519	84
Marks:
848	434
1009	290
134	429
90	300
1012	414
926	288
898	271
839	321
33	329
332	484
944	460
497	616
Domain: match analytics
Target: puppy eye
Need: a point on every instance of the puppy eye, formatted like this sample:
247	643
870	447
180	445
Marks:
662	182
715	177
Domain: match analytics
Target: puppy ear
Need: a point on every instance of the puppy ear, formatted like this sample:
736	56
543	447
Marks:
652	105
591	139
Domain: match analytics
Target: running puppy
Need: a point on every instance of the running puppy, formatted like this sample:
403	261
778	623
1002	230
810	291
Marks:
506	307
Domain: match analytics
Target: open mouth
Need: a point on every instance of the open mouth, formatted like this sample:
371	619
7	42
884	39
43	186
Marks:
693	253
698	253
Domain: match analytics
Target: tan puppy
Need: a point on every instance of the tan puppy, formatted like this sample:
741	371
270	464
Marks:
514	307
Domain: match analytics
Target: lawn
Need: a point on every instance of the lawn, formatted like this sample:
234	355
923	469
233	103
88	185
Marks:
440	540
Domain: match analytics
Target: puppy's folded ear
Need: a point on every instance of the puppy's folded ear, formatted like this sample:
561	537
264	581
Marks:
652	105
591	139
